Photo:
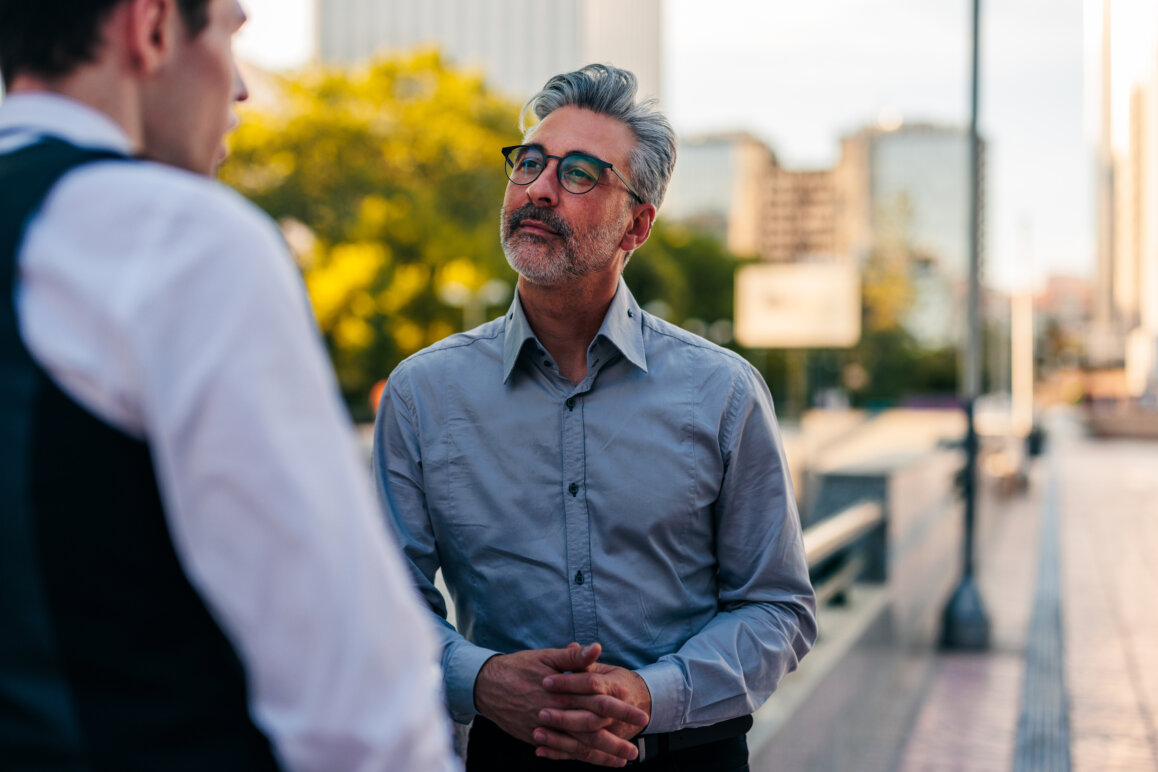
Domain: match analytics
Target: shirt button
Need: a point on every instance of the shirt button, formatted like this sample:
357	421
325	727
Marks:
573	488
570	403
578	577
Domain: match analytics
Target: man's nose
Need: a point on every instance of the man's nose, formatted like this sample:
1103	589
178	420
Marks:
240	90
544	191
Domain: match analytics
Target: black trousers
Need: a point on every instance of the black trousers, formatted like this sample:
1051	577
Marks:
490	749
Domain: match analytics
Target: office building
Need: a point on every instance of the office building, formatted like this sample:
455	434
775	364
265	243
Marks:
720	186
908	188
516	44
903	188
1125	316
733	186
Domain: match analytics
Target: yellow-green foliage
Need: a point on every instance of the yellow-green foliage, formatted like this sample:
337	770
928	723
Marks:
395	171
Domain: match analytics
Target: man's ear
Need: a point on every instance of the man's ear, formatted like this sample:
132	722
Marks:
151	28
642	217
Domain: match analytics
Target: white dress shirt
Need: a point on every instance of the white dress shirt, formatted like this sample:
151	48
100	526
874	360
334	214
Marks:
168	306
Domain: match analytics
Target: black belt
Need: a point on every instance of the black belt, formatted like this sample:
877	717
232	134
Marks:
652	745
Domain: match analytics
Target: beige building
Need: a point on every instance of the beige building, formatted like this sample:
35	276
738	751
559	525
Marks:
803	215
734	186
721	185
1125	314
517	44
905	188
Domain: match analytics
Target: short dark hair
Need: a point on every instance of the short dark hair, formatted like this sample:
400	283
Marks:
50	38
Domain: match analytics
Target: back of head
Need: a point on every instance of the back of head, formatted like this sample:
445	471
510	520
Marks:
611	91
51	38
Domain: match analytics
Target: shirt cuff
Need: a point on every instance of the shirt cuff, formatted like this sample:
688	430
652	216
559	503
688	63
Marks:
463	662
669	695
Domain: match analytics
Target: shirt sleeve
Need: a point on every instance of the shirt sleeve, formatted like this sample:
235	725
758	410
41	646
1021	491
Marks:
767	617
270	506
397	465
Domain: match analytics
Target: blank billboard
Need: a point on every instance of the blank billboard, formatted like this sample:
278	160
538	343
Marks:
798	305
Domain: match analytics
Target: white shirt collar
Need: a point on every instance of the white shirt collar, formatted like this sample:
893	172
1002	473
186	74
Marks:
28	115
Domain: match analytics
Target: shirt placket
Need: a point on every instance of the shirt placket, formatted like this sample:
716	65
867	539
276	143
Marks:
580	580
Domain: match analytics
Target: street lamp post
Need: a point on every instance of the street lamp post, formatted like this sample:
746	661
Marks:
965	624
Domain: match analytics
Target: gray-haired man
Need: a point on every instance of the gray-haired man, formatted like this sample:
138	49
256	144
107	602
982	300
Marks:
583	471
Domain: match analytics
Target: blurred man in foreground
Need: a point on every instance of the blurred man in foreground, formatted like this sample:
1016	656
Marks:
193	571
582	471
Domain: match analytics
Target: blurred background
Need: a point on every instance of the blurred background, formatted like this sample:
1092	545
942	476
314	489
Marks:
825	141
819	224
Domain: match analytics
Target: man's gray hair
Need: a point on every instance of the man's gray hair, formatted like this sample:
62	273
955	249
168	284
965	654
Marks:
611	91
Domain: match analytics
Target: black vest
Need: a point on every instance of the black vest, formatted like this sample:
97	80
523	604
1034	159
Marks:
109	660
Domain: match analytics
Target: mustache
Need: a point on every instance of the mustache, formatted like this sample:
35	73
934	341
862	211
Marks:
544	215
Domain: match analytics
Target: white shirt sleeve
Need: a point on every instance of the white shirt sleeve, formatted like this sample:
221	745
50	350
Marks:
198	338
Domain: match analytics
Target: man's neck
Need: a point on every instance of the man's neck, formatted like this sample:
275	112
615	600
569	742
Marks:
93	87
566	318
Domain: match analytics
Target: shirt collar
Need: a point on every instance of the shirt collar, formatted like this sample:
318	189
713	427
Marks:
27	116
622	326
516	335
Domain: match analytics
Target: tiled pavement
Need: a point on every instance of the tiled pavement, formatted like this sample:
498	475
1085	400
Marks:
1109	515
979	710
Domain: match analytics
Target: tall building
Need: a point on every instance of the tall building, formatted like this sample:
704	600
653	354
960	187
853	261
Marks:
904	188
803	214
517	44
1125	331
908	187
1105	344
720	185
732	185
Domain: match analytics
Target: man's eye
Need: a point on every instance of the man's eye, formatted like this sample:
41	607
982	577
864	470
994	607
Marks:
580	174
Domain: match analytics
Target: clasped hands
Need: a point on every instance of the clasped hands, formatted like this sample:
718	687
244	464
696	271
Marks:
566	703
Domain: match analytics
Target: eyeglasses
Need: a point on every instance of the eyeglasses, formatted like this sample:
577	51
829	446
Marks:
577	172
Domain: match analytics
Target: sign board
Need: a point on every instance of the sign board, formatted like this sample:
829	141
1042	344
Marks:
798	305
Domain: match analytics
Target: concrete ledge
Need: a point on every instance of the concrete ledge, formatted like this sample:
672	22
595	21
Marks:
840	629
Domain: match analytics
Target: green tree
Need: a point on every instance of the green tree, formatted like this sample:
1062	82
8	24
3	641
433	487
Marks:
387	180
689	271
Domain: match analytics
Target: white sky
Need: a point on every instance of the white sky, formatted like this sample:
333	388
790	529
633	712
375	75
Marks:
800	73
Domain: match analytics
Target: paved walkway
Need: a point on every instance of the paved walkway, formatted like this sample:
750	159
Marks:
1070	577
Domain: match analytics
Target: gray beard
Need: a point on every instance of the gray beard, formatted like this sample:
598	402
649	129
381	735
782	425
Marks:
550	261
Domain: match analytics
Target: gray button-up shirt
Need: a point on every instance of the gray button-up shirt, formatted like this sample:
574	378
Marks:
648	508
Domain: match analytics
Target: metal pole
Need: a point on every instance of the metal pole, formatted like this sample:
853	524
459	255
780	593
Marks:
965	624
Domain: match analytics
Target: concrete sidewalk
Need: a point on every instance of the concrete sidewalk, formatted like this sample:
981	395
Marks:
1070	579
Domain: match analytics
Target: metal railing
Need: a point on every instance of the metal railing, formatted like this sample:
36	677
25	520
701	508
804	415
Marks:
836	549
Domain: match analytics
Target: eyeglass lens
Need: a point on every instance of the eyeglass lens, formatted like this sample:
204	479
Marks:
577	173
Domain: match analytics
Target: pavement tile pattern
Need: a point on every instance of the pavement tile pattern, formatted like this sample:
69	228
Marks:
1043	740
1068	572
1108	506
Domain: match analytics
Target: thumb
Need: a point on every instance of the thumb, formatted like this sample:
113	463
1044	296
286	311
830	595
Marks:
574	658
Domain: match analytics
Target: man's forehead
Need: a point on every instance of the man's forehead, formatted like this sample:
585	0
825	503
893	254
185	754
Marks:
575	130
